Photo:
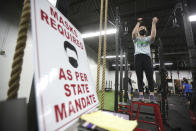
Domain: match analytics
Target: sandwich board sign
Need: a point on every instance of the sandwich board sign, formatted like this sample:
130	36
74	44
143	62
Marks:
63	83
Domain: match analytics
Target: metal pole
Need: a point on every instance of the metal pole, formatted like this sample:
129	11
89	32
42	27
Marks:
126	78
110	84
117	22
191	49
163	81
121	71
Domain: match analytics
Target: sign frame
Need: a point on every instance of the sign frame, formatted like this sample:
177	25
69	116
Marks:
39	92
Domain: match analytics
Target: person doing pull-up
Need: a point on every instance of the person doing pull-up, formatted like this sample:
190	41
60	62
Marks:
142	55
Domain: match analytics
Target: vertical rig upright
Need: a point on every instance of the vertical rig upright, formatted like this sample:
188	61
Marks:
164	87
117	22
126	78
121	71
191	49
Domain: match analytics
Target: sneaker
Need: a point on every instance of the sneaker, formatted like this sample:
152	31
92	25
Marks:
141	98
152	99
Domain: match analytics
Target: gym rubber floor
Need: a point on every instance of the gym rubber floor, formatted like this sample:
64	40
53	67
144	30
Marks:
179	118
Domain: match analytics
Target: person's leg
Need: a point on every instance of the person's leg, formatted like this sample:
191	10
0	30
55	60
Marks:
190	96
186	95
139	73
148	68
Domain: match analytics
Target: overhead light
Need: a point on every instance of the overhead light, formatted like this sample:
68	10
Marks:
192	18
168	63
119	65
53	2
155	64
112	56
93	34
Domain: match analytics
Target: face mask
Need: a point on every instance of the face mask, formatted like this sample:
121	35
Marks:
142	32
73	62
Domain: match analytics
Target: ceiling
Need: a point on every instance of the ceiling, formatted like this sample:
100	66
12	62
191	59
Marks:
84	14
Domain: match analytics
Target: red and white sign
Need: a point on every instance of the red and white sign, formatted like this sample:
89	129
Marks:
63	83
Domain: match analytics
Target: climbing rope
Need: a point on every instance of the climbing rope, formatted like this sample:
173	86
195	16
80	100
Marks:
99	49
19	52
104	55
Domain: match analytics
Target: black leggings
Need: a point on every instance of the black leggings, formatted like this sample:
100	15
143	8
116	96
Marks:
143	63
188	95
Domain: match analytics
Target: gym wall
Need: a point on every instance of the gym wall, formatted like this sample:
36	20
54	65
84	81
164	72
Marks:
9	21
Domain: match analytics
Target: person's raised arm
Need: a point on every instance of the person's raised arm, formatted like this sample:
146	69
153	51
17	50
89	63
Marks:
153	29
135	30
